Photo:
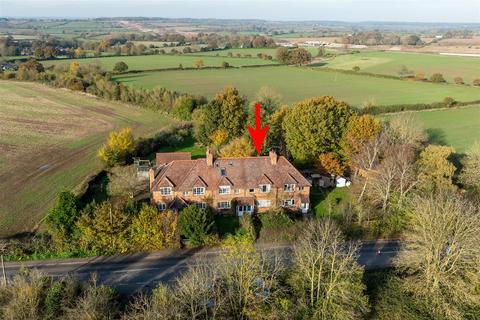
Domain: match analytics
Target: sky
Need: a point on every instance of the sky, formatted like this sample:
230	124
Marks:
339	10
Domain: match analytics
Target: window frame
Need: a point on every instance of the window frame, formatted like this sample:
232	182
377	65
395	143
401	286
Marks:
198	193
201	205
227	188
289	187
288	203
162	193
267	203
229	206
267	186
161	206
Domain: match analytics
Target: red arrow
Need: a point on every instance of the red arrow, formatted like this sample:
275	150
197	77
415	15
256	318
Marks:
258	134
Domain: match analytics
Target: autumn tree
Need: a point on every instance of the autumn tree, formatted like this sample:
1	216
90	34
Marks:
441	259
219	137
458	80
327	279
328	163
299	56
196	224
183	108
435	168
406	129
74	65
437	78
105	230
470	175
281	54
198	64
360	130
119	147
151	230
238	147
316	126
120	66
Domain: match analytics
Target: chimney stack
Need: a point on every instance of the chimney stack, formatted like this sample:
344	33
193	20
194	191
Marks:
209	158
273	157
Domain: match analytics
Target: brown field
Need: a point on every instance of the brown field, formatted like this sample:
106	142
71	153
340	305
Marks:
48	141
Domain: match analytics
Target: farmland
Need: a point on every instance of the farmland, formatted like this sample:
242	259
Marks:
299	83
48	141
162	61
250	51
458	127
389	63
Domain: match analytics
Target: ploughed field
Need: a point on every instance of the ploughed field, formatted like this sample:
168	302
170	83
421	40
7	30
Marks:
149	62
390	63
295	84
49	140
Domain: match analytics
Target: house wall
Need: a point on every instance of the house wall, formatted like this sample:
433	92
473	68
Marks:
212	198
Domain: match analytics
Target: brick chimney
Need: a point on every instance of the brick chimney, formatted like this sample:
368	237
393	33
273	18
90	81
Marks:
209	158
273	157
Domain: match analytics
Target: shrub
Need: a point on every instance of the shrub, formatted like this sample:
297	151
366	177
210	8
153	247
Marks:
476	82
437	78
196	224
53	300
449	102
275	218
120	66
458	80
356	68
61	219
225	65
419	76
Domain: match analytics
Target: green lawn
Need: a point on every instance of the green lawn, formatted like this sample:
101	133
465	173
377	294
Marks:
326	202
188	145
389	63
458	127
162	61
295	84
49	140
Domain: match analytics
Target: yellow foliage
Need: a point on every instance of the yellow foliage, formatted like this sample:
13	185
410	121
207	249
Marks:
74	67
238	147
78	53
219	137
119	147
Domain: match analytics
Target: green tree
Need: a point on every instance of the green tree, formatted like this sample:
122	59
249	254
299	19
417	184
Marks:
196	224
183	108
275	139
151	230
316	126
120	66
119	147
299	56
61	219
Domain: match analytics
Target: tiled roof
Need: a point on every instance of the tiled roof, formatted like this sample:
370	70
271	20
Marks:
244	173
166	157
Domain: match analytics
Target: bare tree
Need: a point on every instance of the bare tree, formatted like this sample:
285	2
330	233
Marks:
326	276
442	256
125	183
470	175
407	129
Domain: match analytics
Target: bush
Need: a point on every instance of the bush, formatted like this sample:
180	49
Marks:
196	224
225	65
120	66
53	300
449	102
61	219
356	68
275	218
458	80
476	82
437	78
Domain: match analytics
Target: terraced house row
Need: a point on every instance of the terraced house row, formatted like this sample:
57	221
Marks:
228	185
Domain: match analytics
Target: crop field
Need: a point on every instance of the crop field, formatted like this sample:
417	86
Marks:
49	140
295	84
458	127
162	61
389	63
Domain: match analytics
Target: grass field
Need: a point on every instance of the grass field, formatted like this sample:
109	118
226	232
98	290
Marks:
251	51
458	127
48	141
162	61
389	63
295	84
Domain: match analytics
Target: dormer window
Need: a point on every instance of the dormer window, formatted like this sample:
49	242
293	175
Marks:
289	187
165	191
223	172
264	188
198	191
224	190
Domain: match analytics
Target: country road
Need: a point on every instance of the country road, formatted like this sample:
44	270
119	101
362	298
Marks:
142	272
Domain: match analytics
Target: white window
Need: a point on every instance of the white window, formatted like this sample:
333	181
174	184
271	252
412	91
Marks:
162	206
185	193
224	205
301	188
198	191
264	188
289	187
201	205
264	203
224	190
165	191
289	203
245	208
237	191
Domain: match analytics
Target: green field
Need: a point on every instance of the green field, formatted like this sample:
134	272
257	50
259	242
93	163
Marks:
458	127
162	61
49	140
295	84
389	63
251	51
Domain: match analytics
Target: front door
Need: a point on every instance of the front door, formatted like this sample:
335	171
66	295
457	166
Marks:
241	210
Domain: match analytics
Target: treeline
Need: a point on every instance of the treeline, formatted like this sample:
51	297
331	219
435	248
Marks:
373	38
